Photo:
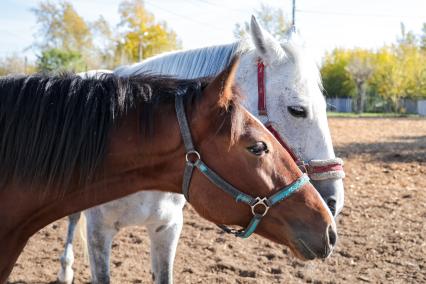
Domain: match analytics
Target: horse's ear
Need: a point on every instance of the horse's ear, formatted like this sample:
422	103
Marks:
219	91
267	47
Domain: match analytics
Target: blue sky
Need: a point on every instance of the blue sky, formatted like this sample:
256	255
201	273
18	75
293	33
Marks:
324	24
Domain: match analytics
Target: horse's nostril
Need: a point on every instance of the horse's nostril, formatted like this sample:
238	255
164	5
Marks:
331	203
332	236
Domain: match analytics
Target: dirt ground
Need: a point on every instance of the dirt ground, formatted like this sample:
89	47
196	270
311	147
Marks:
382	228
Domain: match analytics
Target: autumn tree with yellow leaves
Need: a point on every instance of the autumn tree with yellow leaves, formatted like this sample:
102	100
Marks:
66	41
143	36
390	73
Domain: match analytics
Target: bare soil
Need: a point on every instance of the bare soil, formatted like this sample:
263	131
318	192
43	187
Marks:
382	228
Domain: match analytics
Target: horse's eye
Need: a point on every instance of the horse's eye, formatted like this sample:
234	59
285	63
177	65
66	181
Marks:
297	111
259	148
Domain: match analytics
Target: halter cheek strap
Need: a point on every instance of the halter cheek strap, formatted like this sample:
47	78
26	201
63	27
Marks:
261	102
259	206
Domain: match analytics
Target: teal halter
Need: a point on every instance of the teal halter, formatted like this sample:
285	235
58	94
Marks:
259	206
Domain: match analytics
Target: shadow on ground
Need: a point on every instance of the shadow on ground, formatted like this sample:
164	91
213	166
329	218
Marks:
401	149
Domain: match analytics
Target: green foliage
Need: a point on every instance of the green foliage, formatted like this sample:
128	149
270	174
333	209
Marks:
394	72
400	71
337	81
55	59
272	19
66	41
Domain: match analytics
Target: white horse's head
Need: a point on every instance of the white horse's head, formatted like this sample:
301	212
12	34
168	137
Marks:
295	104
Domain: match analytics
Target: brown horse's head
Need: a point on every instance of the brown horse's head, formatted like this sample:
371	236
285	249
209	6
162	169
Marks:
235	145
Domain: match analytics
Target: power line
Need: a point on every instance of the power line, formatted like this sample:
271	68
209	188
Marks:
184	17
221	6
356	14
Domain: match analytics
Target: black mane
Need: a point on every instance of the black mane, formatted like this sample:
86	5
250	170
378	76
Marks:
54	128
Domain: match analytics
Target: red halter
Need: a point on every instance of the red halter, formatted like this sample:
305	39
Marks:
336	165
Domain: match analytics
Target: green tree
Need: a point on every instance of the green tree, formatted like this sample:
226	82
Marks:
387	75
270	18
55	59
63	37
399	71
143	36
336	79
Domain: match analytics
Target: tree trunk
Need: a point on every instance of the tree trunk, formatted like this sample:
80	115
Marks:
360	99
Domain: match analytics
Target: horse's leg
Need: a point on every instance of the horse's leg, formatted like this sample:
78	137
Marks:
164	239
66	274
99	238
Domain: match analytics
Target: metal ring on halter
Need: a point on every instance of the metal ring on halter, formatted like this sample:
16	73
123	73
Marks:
190	153
262	202
303	167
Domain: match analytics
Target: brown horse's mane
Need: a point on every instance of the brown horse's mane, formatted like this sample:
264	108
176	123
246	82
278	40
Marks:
56	127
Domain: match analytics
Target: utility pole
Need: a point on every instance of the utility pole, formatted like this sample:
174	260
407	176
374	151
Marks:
140	49
293	24
25	64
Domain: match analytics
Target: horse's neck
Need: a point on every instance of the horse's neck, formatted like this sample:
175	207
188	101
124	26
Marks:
20	222
34	213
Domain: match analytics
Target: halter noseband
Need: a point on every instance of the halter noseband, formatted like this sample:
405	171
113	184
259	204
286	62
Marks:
316	169
259	206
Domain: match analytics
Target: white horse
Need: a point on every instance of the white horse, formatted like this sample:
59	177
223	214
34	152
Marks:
295	108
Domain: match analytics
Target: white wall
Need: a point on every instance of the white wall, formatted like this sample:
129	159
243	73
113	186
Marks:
421	107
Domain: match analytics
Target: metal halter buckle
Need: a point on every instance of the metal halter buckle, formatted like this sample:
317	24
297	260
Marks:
303	166
194	154
260	201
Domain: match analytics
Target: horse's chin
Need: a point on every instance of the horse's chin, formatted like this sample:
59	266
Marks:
294	246
299	249
302	251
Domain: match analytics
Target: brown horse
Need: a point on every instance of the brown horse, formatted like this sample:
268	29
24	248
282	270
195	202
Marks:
69	143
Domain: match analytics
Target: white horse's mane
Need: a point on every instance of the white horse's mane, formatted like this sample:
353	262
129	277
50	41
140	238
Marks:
187	64
208	61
